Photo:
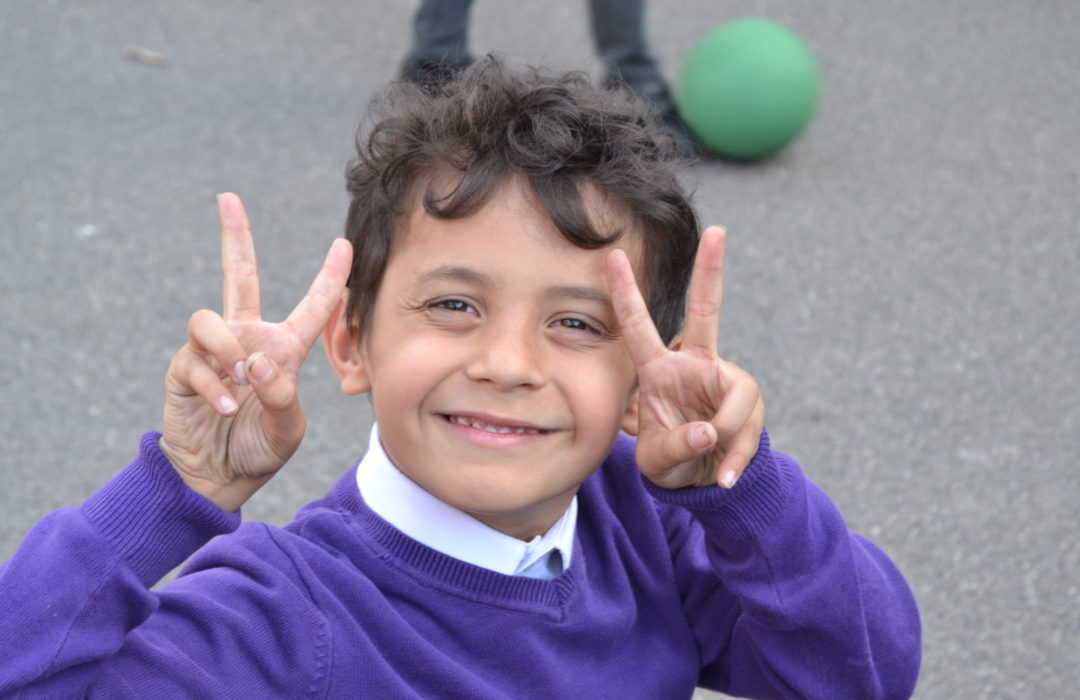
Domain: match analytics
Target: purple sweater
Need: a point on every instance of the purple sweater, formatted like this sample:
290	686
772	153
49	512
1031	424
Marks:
760	591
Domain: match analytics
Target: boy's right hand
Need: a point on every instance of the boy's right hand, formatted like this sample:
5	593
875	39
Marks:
232	414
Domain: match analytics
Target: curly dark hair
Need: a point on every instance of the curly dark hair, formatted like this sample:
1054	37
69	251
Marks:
555	132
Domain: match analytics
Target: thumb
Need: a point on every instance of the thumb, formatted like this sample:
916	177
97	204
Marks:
276	390
660	451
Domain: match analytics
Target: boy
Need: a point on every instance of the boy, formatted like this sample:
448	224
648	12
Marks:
501	538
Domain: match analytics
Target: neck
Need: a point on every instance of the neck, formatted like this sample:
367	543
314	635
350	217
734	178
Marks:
531	522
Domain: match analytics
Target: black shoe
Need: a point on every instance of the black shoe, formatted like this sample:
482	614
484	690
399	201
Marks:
657	92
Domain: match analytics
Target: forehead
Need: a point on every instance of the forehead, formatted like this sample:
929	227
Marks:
512	222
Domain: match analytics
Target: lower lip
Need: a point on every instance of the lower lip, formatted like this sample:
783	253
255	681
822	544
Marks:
485	439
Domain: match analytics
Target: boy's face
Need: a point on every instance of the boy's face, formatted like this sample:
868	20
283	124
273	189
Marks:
498	377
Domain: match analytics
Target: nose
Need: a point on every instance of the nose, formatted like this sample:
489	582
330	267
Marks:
507	356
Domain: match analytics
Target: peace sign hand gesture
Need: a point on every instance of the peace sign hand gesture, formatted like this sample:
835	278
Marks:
232	415
699	416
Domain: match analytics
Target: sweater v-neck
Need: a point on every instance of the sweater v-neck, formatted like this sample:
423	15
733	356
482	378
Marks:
433	569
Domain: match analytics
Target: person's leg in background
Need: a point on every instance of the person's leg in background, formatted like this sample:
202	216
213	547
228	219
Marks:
618	28
440	42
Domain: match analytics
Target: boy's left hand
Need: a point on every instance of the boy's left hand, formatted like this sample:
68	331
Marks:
699	416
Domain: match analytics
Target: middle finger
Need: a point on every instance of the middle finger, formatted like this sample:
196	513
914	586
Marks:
706	294
241	283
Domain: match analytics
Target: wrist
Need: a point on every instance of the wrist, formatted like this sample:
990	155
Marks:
228	495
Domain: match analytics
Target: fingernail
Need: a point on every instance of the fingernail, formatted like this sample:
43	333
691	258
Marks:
699	437
261	367
228	406
728	478
239	375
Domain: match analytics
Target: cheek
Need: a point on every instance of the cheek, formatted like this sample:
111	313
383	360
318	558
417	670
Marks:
601	393
405	368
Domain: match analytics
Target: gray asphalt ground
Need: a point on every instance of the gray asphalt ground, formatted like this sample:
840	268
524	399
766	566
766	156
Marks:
902	280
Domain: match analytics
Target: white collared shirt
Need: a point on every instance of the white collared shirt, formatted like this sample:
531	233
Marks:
404	504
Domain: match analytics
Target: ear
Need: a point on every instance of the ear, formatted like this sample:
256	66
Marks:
344	352
630	417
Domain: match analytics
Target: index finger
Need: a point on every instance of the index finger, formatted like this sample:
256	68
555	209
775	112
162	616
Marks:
312	313
706	294
639	333
241	276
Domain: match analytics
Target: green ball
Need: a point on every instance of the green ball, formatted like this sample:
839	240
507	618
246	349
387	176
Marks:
747	88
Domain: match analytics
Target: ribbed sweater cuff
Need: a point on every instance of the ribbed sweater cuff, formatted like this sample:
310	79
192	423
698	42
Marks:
151	517
745	510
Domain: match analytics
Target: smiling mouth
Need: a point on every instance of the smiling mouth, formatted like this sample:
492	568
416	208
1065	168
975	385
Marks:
495	428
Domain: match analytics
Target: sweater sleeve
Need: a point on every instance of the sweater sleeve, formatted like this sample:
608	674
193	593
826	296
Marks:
784	600
79	618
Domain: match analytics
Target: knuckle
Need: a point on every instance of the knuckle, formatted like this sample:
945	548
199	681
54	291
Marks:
174	375
201	317
181	362
201	324
740	379
636	317
739	460
177	359
738	455
240	267
726	428
703	308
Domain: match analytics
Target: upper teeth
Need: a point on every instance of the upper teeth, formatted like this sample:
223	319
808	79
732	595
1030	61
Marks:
480	425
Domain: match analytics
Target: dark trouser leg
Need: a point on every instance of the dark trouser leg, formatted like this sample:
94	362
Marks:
441	33
619	30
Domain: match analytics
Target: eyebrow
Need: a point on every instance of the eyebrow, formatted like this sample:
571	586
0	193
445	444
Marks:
583	293
466	274
457	273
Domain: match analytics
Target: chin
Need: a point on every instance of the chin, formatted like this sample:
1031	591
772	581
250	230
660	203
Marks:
492	501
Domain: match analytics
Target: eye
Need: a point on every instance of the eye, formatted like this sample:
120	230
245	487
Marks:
578	324
453	305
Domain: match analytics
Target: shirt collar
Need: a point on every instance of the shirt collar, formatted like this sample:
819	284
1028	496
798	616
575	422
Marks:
404	504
